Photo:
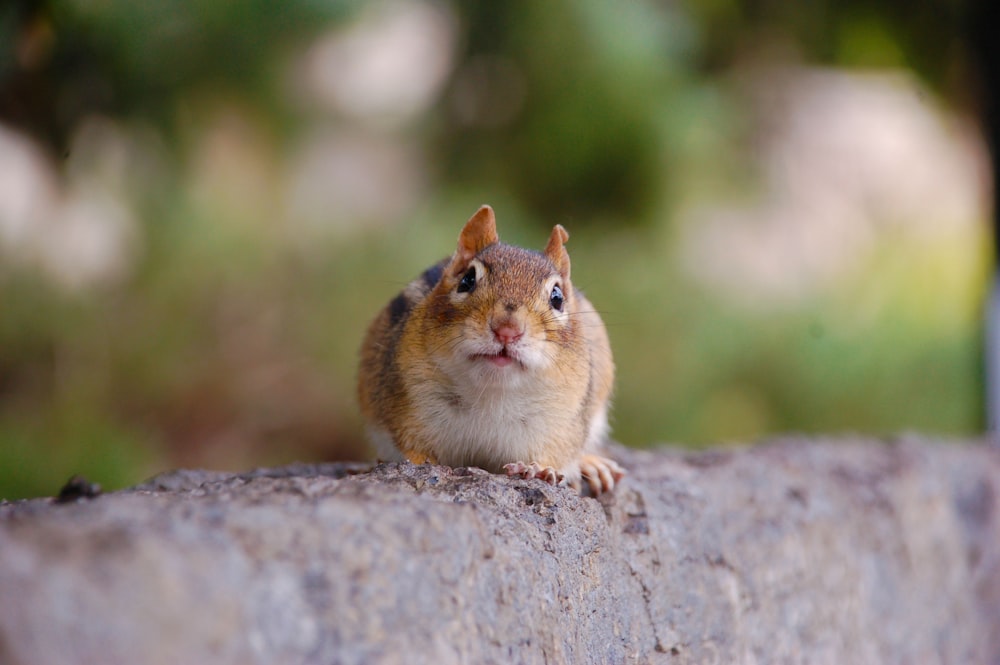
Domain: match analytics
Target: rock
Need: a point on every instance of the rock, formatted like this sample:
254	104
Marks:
837	551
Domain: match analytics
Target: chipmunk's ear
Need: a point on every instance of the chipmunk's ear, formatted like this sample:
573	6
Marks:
478	233
556	252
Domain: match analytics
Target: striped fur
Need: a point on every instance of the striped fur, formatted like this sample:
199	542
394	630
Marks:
429	391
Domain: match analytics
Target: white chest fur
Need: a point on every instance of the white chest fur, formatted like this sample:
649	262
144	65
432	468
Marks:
501	418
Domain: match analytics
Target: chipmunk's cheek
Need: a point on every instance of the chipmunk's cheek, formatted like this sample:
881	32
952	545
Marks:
532	357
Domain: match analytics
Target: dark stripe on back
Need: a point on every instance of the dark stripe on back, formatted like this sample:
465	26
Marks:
433	274
398	309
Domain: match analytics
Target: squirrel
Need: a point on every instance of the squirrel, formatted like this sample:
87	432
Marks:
491	358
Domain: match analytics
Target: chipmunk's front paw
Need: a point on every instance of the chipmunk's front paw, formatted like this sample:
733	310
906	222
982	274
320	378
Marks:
535	470
600	473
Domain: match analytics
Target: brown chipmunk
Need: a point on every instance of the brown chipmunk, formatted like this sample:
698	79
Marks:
492	359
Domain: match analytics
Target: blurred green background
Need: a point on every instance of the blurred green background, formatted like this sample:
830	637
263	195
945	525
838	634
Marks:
780	209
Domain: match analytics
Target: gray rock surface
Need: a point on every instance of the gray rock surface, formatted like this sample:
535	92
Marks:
792	552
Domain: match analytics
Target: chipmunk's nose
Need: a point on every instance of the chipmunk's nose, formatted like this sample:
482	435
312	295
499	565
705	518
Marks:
507	333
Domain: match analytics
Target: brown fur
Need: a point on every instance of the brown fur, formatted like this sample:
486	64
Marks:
421	385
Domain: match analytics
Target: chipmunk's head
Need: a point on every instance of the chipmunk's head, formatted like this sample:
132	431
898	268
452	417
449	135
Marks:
506	309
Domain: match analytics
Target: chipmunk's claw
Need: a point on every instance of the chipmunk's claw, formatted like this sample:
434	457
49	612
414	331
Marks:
600	473
535	470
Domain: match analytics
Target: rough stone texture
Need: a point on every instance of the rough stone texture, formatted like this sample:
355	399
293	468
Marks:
795	551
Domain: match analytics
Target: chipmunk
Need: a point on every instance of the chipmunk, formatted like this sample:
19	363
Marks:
492	359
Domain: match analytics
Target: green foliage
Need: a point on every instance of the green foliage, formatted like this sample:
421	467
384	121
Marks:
589	141
232	340
870	357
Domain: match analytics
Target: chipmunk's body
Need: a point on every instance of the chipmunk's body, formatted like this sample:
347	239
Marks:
491	358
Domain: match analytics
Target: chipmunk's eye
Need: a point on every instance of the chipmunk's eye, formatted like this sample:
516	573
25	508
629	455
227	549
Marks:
468	283
556	298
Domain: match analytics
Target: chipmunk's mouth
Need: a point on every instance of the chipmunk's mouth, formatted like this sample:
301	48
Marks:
501	358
